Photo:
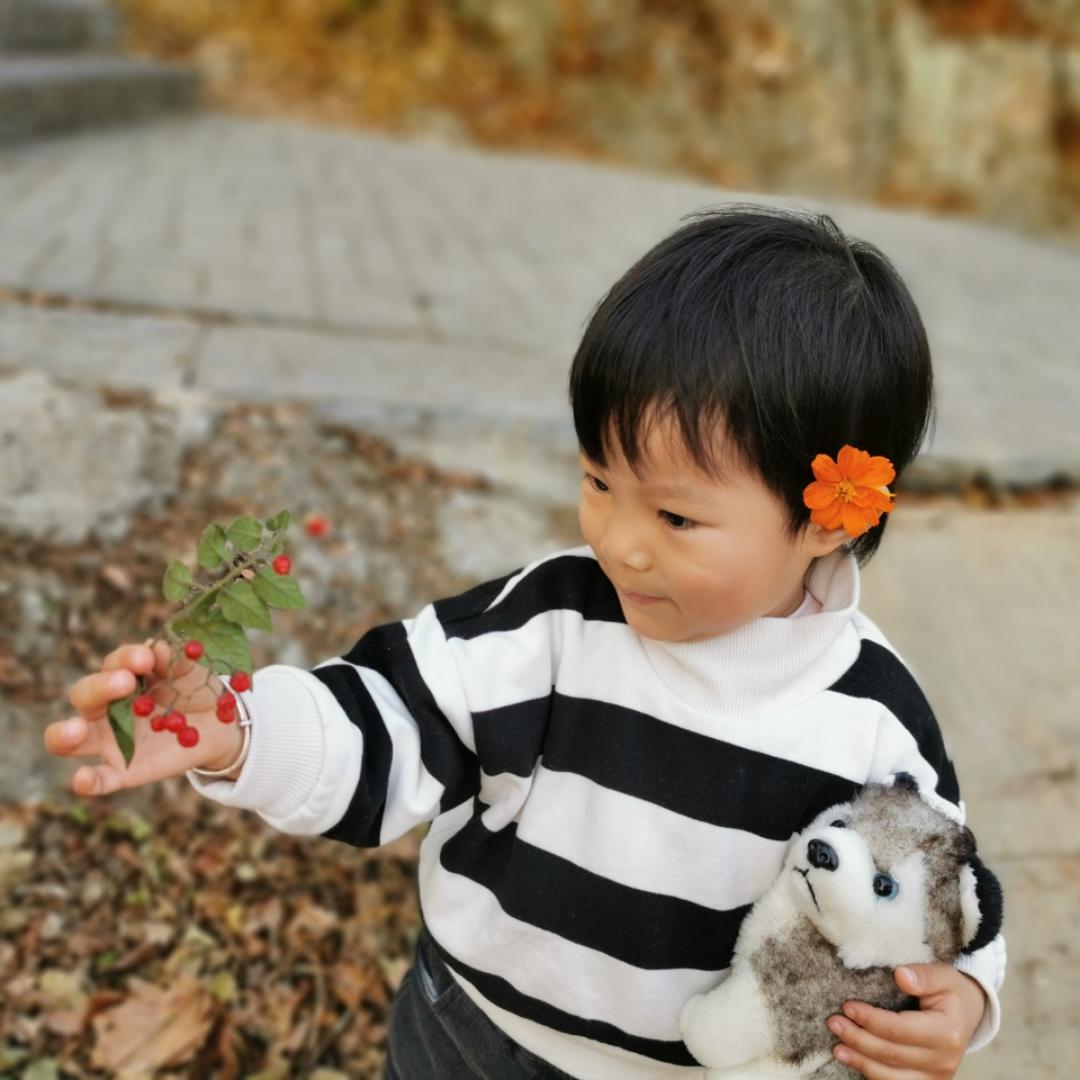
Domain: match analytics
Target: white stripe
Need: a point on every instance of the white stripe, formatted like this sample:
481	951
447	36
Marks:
506	667
438	667
467	919
834	732
643	846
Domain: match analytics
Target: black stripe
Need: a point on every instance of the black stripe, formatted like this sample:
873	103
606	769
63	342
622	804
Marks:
562	583
880	675
509	739
385	649
638	926
499	990
361	824
692	774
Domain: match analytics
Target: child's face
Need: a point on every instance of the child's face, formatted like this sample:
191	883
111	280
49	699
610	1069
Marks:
717	557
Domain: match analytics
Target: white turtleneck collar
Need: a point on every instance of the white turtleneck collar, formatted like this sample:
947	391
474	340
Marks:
769	664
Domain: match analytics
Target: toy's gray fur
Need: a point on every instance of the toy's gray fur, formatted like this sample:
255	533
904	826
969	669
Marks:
802	951
800	1011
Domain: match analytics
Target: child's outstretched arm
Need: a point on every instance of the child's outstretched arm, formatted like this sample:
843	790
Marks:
364	746
408	723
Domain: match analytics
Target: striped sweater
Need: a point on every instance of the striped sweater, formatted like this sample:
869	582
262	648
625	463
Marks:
604	808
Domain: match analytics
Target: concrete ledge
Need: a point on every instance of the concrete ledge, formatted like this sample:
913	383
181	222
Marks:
58	25
42	94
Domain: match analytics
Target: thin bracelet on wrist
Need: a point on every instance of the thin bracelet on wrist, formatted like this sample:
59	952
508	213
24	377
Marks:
245	723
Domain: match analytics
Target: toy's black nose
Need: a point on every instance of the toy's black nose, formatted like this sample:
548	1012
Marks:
821	855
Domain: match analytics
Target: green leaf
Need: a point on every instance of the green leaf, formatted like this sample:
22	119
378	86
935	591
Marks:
42	1069
277	548
122	722
213	547
129	823
225	648
245	533
278	590
105	960
11	1055
177	580
240	605
279	522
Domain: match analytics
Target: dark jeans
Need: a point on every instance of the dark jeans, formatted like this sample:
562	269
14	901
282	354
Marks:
437	1033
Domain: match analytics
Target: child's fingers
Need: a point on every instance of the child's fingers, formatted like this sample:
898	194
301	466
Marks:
96	780
73	736
137	658
92	693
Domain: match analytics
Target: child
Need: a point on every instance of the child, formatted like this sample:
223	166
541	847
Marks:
614	743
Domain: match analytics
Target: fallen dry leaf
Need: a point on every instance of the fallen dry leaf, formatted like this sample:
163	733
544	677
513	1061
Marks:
156	1027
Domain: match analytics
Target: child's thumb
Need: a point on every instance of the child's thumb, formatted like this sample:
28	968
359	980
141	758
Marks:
163	658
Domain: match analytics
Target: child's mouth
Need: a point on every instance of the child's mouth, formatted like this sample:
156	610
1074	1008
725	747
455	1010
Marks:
638	598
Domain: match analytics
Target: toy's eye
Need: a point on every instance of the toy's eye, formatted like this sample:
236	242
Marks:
838	824
886	886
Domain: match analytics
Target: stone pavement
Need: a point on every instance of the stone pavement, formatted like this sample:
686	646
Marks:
389	280
437	295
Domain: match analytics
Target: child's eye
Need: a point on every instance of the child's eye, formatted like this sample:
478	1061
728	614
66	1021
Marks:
666	514
678	517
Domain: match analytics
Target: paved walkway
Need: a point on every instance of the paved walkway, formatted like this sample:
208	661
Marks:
438	295
390	279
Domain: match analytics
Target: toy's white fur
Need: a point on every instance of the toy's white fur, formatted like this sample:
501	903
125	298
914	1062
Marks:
825	913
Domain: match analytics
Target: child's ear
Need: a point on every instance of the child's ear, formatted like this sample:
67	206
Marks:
981	904
819	541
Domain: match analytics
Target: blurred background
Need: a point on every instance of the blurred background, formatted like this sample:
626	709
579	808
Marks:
334	256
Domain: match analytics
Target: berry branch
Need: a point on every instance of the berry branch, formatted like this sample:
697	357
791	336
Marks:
210	625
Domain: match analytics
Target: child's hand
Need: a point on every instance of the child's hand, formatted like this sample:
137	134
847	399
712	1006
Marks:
194	692
927	1044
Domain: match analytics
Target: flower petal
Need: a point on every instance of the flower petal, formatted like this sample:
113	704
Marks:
818	494
826	470
852	461
876	471
854	520
829	517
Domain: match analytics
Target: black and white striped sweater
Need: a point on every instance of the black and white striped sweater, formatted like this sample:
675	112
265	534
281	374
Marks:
604	808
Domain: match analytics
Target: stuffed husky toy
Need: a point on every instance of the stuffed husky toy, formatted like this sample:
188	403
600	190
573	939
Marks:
869	885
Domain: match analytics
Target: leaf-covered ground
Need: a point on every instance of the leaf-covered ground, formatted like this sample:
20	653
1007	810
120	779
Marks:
192	941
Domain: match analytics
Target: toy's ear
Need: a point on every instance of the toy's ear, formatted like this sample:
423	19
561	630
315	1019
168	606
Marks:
906	781
981	904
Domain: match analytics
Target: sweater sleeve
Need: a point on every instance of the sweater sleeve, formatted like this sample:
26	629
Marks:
909	739
363	747
408	724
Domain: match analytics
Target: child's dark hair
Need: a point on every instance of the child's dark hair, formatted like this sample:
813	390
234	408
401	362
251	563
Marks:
774	323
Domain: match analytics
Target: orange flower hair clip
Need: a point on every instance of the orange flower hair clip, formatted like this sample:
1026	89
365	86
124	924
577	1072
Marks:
850	491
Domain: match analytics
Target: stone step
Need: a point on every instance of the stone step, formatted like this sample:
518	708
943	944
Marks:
58	25
47	94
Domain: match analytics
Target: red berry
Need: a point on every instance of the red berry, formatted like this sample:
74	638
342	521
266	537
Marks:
157	722
193	650
317	525
226	708
240	680
175	721
187	736
143	706
282	564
